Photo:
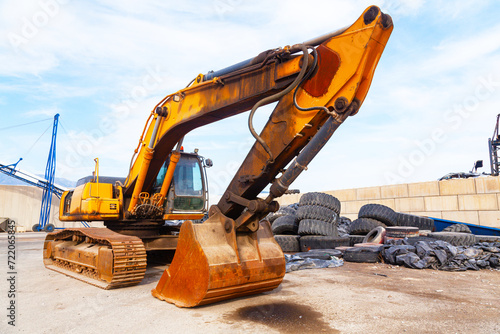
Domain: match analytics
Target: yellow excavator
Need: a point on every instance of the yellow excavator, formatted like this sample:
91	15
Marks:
317	84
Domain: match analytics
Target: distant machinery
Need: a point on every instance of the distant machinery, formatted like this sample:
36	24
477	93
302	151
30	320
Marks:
494	146
47	184
12	171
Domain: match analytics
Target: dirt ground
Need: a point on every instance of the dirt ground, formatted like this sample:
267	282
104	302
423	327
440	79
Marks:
354	298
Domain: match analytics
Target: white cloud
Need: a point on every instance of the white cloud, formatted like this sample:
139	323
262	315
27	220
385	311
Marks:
42	112
459	53
102	50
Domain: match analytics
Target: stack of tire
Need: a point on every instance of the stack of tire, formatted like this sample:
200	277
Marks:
314	225
285	226
372	216
318	224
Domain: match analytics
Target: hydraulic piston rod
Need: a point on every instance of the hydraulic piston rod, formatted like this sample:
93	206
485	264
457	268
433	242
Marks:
280	186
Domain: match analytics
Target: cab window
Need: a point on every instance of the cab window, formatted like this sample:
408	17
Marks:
188	178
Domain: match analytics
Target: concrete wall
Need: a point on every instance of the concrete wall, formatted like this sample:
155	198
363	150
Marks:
22	203
475	201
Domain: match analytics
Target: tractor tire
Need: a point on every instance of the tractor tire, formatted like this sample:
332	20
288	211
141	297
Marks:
458	228
454	238
362	254
317	212
363	226
379	212
284	211
412	241
487	238
286	225
288	243
402	232
423	223
320	242
317	227
321	199
355	239
375	236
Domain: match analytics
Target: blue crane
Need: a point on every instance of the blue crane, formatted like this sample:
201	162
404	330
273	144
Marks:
47	185
31	179
50	172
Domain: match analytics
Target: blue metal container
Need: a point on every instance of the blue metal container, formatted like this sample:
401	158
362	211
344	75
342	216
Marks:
441	224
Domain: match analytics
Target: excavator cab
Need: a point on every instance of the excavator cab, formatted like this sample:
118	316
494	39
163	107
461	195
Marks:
188	189
100	198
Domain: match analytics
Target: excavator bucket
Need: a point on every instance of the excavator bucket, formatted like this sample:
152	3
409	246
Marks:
213	263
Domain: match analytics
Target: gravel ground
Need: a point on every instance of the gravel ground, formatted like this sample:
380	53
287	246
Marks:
354	298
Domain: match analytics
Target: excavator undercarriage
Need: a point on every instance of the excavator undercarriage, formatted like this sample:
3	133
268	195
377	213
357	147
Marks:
318	84
97	256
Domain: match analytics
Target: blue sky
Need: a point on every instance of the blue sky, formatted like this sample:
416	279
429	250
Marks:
103	65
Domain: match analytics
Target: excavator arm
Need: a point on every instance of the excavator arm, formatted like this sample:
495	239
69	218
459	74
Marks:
307	117
233	253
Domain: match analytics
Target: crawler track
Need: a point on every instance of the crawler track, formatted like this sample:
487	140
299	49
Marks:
78	253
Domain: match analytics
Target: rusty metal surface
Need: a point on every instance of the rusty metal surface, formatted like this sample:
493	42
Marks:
328	64
213	263
97	256
162	242
183	216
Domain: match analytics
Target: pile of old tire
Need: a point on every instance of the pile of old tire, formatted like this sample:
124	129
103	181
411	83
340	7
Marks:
361	227
363	253
372	216
318	215
285	225
422	223
457	235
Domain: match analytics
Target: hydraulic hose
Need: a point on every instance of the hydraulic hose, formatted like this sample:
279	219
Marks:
276	97
307	76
